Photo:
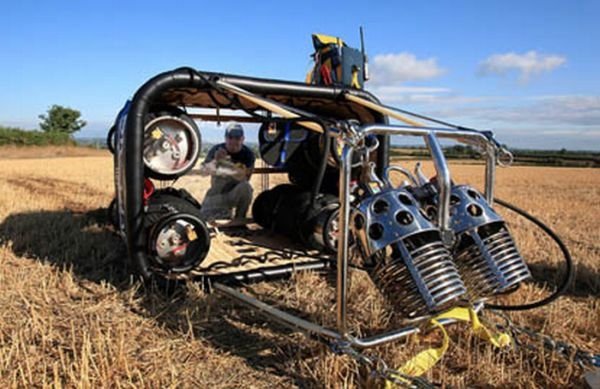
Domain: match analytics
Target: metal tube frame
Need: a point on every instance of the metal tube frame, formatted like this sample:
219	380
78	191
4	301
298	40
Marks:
319	332
444	184
430	135
350	140
131	162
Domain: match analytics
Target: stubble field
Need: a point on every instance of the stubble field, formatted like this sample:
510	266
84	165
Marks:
72	316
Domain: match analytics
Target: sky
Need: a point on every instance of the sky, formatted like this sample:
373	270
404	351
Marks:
527	70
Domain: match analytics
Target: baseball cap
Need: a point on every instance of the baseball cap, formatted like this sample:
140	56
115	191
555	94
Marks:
234	130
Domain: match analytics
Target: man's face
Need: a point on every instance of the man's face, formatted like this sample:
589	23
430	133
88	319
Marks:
233	144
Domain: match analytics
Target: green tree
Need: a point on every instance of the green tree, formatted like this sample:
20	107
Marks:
61	119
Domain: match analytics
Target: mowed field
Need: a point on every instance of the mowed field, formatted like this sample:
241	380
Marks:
72	316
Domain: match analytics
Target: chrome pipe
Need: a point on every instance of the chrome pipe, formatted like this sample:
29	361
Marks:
406	172
489	146
444	185
383	338
285	318
490	174
343	241
313	329
421	179
469	137
391	336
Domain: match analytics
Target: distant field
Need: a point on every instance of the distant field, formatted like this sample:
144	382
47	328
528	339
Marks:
559	158
19	152
72	317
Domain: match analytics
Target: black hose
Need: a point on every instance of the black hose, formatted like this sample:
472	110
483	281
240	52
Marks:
148	94
565	282
321	172
110	139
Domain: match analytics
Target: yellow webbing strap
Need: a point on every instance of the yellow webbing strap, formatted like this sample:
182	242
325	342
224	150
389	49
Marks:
326	40
355	83
497	339
425	360
309	76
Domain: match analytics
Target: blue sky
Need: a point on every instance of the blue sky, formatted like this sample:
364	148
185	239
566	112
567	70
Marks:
527	70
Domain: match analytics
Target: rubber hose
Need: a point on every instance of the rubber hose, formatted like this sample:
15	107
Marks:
321	172
569	274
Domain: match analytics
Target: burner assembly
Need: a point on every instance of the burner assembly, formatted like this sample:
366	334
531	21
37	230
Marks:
408	260
485	252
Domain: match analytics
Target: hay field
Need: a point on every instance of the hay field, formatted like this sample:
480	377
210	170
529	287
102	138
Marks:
73	317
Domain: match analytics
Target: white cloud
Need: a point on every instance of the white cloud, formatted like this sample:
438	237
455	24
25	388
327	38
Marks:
528	64
573	132
559	110
394	89
424	95
393	69
544	138
395	94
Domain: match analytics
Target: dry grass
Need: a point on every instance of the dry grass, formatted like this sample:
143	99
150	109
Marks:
72	316
19	152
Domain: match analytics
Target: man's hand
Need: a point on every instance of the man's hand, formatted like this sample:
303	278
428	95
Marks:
220	154
228	169
209	169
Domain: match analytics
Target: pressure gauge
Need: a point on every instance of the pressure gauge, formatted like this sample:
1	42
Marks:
178	239
179	242
171	146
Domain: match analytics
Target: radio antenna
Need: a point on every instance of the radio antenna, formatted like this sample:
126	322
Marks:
364	55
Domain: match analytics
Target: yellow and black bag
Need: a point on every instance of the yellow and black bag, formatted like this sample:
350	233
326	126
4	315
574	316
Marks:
336	63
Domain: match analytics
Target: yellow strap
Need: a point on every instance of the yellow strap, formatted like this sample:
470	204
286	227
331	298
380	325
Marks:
328	39
425	360
355	83
497	339
309	76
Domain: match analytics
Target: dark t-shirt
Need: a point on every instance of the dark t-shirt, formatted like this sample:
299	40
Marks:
245	156
223	184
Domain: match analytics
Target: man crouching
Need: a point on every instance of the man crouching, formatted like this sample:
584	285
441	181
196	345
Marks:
230	166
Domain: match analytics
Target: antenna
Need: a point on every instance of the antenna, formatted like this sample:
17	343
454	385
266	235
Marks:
364	55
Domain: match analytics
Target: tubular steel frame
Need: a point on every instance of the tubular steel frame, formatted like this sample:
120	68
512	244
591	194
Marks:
430	136
342	334
129	179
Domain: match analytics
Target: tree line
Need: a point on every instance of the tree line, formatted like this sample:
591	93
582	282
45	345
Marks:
57	127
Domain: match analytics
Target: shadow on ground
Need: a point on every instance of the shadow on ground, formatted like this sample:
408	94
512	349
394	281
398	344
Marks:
586	280
67	239
85	243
